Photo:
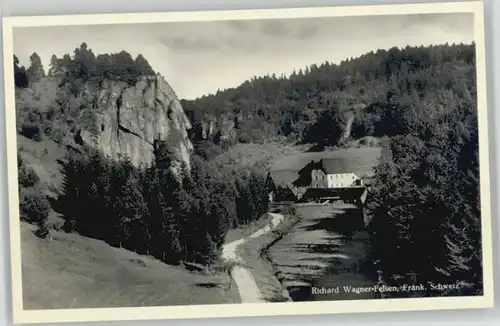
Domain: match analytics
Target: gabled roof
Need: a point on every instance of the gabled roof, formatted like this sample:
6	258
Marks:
329	166
335	166
283	178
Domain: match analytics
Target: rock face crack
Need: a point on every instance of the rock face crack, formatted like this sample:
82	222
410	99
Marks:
128	131
119	101
121	128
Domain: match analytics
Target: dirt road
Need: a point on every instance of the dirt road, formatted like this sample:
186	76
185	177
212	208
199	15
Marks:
248	289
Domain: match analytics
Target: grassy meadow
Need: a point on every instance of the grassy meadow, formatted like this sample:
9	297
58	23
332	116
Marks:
245	156
71	271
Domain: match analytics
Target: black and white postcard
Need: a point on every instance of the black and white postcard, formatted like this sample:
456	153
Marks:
248	163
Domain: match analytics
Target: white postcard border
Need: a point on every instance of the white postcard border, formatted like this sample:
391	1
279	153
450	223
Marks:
258	309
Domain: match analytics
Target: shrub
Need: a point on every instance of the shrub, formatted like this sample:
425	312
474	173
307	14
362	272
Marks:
59	132
288	210
27	176
244	137
34	207
43	230
207	150
32	131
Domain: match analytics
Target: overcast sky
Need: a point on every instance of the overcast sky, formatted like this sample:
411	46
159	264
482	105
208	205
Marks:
197	58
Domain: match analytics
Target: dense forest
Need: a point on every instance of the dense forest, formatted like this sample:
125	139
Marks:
153	212
423	206
315	104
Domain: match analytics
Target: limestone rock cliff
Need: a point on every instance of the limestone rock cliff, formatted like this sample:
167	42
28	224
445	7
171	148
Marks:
126	120
221	129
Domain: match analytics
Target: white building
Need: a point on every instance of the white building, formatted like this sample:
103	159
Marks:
341	180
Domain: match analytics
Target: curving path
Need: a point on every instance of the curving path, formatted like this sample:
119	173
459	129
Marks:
247	288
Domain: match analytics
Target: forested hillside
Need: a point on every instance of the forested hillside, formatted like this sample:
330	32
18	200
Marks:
379	92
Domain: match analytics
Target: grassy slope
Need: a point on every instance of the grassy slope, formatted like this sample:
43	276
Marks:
361	160
42	157
251	155
71	271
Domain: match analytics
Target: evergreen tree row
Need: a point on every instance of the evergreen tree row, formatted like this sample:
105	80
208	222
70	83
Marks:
157	212
84	65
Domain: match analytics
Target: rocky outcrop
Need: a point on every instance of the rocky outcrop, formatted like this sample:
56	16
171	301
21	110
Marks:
127	120
349	119
220	129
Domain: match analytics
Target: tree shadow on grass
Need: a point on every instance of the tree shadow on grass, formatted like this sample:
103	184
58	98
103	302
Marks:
345	222
208	285
321	248
339	257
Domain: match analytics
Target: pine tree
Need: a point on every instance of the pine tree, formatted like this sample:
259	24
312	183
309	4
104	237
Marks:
35	70
131	210
143	67
20	75
170	233
66	63
245	208
84	62
54	66
183	207
208	253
